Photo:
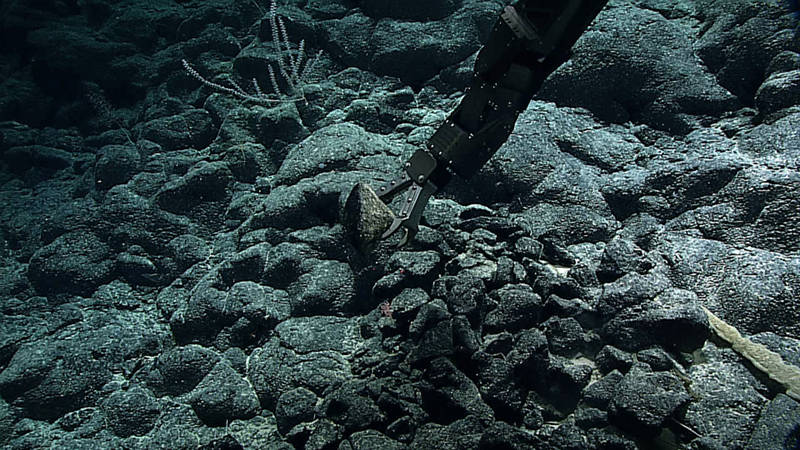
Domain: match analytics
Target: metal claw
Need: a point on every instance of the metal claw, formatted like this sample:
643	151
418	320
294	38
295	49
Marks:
410	213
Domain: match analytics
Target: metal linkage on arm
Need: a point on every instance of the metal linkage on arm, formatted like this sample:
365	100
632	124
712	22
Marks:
529	41
420	181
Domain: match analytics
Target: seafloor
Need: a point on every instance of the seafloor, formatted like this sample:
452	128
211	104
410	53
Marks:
174	274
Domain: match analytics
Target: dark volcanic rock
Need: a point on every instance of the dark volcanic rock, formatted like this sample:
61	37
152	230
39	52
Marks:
178	370
658	81
75	263
411	10
740	40
517	308
778	425
448	394
780	90
645	400
294	407
672	319
611	358
223	395
727	402
351	406
117	165
131	413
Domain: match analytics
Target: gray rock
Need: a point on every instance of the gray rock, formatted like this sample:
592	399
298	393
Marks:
465	433
741	39
784	62
222	396
227	315
136	218
420	268
188	249
351	406
246	161
335	147
448	394
780	90
587	418
530	353
657	359
777	427
503	435
498	386
464	294
671	188
294	407
565	337
778	140
50	377
673	319
6	422
609	148
409	301
315	334
787	347
727	400
47	159
259	304
286	261
568	224
75	263
308	203
620	257
179	370
83	53
431	333
324	435
567	435
631	290
389	46
517	308
370	439
611	358
645	400
180	426
762	301
136	268
600	393
175	133
645	82
204	183
422	10
142	25
204	316
327	288
602	438
564	382
131	413
117	165
274	369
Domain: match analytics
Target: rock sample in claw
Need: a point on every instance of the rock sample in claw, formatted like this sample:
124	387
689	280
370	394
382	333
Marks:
365	217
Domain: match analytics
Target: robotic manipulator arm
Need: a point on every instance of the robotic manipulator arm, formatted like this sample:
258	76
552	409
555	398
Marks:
528	42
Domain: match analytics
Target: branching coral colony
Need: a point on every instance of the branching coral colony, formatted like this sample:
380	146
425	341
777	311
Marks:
294	69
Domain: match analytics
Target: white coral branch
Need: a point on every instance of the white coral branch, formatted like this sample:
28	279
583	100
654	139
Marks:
765	360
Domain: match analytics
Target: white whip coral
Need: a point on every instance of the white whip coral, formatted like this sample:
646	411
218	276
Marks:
293	70
763	359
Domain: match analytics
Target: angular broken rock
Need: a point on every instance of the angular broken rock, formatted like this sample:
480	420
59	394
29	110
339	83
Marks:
365	217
